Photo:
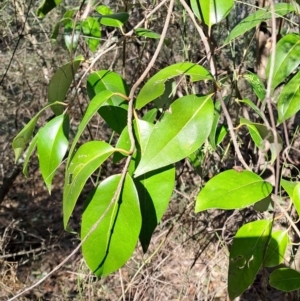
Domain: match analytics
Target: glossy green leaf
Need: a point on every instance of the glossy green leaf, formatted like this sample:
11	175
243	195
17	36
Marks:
114	110
147	33
29	153
52	145
286	60
123	143
288	186
86	160
263	138
288	103
92	32
155	86
211	11
108	18
46	6
60	83
296	198
232	190
256	84
92	109
22	139
181	131
153	202
247	255
256	18
276	248
112	243
285	279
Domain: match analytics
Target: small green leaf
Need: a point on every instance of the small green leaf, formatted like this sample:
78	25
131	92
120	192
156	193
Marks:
114	110
177	135
276	248
112	243
211	11
92	109
86	160
92	32
263	205
123	143
150	115
155	86
296	198
286	59
147	33
52	145
256	84
263	138
256	18
46	6
60	83
108	18
232	190
288	103
288	186
247	255
285	279
256	109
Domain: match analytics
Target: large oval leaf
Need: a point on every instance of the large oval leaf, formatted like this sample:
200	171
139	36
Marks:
211	11
285	279
288	103
182	130
52	145
287	58
232	190
113	242
247	255
261	15
85	161
155	86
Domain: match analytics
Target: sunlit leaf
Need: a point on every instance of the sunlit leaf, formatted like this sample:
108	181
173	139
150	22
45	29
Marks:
92	32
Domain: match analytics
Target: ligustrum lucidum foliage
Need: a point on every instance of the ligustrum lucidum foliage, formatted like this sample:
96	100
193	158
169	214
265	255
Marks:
155	125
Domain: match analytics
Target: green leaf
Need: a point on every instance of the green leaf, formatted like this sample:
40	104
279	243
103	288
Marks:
60	83
155	86
46	6
211	11
263	138
286	59
213	132
150	115
108	18
147	33
153	202
247	255
263	205
112	243
92	32
177	135
288	103
92	109
232	190
296	198
22	139
256	84
114	110
288	186
285	279
52	145
86	160
276	248
255	19
256	109
123	143
29	153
